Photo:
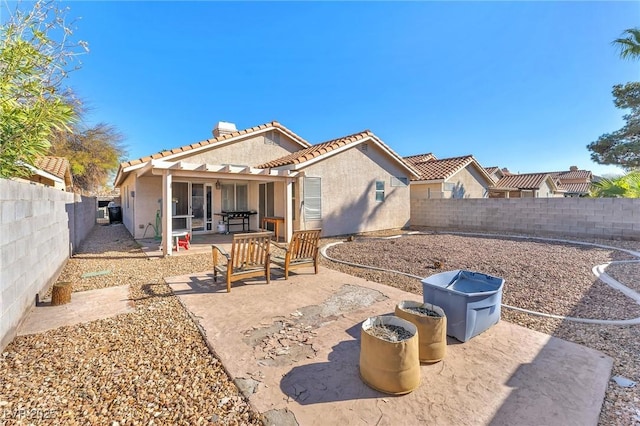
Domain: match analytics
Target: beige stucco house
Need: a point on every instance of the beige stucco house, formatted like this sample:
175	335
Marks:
351	184
576	182
52	171
496	173
456	177
527	185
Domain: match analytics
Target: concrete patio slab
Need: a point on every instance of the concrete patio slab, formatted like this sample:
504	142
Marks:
85	306
293	348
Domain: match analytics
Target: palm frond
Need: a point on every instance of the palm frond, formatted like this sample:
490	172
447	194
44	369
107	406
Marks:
629	46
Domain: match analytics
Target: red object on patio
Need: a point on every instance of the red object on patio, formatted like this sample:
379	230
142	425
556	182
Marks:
185	244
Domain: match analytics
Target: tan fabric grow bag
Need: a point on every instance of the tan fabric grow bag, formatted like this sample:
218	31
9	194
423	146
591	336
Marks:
390	367
432	331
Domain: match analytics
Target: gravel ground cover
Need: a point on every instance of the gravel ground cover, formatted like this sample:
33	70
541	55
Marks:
151	366
546	277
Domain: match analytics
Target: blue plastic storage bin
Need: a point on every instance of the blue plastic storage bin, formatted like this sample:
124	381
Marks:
471	300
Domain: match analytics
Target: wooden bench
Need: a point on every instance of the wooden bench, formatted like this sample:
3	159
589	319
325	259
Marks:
249	257
301	251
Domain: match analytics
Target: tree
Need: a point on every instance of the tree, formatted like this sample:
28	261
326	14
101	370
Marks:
35	58
627	186
622	147
93	153
629	46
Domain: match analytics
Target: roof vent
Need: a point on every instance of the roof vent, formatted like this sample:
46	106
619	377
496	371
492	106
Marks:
573	168
223	128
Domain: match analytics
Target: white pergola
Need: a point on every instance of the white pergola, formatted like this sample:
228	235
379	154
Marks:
168	170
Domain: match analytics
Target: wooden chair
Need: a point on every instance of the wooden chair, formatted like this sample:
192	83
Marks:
301	251
249	257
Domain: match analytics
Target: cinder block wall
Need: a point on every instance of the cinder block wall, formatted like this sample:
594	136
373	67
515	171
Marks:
83	219
36	227
611	218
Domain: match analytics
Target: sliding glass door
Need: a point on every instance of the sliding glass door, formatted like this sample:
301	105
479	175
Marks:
192	206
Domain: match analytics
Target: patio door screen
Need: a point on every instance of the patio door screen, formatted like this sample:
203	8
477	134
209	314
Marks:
266	201
195	201
197	207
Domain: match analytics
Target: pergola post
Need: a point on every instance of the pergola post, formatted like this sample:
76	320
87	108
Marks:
167	213
288	222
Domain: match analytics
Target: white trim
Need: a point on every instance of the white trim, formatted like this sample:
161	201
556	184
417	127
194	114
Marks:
213	171
40	172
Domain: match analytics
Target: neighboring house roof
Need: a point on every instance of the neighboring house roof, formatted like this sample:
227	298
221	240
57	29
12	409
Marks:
419	158
492	170
307	156
445	168
506	172
577	188
572	174
495	172
57	166
526	181
213	141
574	180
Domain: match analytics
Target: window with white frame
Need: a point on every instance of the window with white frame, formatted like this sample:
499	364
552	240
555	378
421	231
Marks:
293	201
379	190
235	197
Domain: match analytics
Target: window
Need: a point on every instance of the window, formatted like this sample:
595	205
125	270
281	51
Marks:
379	190
235	197
293	201
399	181
312	198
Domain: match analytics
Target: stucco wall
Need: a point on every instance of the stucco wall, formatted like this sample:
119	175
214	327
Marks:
250	152
38	227
615	218
348	193
467	183
424	191
144	206
545	191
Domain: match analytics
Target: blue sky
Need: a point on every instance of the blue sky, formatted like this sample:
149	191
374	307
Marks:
523	85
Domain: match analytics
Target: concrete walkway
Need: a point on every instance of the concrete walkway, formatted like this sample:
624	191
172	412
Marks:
85	306
293	348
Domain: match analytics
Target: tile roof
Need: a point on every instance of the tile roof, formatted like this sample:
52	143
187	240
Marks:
492	170
572	174
57	166
577	188
419	158
441	169
314	151
187	148
523	181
